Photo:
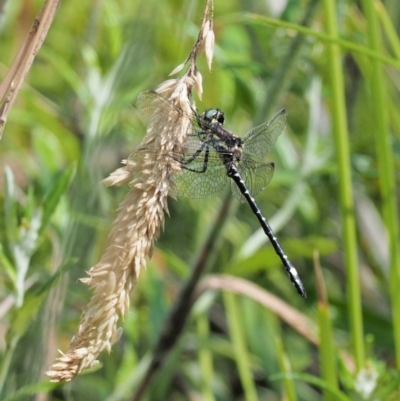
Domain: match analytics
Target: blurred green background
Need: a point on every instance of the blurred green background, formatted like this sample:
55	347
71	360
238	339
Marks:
74	121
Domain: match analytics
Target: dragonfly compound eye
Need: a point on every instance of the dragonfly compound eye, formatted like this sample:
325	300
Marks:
214	116
220	117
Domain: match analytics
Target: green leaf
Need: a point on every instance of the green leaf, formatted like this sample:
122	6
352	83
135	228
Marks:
24	392
52	199
179	266
23	316
66	71
10	206
7	266
340	396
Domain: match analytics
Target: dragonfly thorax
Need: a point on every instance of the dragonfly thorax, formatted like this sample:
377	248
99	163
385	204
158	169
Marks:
213	120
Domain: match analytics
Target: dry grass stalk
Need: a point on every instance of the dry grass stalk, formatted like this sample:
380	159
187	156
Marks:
298	321
15	77
140	217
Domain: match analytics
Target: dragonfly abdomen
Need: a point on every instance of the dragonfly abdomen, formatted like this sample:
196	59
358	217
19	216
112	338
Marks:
234	174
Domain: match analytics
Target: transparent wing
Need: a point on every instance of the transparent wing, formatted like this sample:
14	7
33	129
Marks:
256	177
193	184
260	140
152	105
202	173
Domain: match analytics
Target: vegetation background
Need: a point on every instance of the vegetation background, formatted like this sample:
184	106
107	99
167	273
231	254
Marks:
333	201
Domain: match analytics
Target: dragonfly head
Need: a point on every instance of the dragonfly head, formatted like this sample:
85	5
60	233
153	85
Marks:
214	116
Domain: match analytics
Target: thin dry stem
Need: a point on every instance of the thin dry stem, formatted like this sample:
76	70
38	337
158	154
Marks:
205	41
140	218
299	322
15	77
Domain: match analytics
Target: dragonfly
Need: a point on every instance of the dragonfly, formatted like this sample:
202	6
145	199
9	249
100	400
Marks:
213	155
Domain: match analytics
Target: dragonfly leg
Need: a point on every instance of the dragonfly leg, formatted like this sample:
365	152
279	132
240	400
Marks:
205	162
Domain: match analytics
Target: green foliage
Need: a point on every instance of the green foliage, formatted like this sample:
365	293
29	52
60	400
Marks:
335	191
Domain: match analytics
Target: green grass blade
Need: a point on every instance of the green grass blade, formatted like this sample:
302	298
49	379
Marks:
326	355
388	27
387	175
205	359
338	395
324	37
52	199
10	206
239	347
33	389
341	137
23	318
284	364
7	266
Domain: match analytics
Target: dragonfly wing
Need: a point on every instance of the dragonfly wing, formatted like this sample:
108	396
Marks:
197	186
256	177
197	178
156	109
150	103
261	177
260	140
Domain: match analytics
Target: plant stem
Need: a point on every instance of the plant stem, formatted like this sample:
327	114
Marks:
241	354
205	359
386	170
247	18
334	62
327	358
286	369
